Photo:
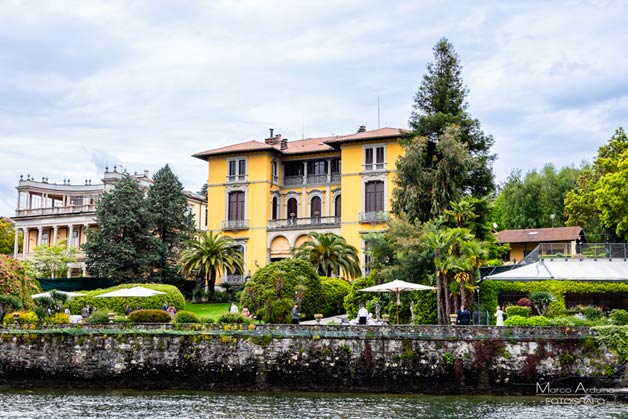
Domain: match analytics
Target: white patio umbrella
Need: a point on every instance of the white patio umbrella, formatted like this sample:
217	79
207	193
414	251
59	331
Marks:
397	286
131	292
49	294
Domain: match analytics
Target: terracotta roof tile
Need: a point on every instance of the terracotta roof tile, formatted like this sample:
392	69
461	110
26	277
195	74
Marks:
309	145
539	235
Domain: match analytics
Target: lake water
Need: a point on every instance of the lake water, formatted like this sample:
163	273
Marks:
71	404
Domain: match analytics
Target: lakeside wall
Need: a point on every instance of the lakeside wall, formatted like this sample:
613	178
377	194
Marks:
398	359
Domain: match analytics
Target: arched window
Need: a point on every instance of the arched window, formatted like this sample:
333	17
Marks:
315	207
292	208
275	208
338	208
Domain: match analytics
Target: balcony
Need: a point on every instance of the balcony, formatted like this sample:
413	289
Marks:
234	279
374	217
236	178
311	179
72	209
235	225
374	167
302	223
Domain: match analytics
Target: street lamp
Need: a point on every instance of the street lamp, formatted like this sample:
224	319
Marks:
552	216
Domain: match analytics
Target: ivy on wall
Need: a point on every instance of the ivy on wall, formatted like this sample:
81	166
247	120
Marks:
489	291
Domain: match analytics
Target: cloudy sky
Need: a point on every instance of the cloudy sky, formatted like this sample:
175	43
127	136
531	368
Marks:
88	84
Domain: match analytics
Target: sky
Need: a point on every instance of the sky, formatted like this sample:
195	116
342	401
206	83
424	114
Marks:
86	85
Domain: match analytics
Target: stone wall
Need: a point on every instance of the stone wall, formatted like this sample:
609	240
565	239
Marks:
424	359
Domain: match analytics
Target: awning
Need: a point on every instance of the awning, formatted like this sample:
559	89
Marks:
567	269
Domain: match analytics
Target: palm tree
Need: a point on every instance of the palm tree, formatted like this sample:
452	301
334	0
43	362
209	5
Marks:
330	254
437	241
208	255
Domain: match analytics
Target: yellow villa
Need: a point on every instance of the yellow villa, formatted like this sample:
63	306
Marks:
268	195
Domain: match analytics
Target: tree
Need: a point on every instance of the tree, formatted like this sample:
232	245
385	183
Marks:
439	104
536	200
600	194
7	237
203	190
330	254
15	281
209	255
275	288
430	176
123	247
172	221
51	261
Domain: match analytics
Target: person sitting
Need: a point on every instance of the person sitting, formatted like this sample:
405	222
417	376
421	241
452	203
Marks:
128	309
172	311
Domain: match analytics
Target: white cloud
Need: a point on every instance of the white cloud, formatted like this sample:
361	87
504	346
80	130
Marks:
145	83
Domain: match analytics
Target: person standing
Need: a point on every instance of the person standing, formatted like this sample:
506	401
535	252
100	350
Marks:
295	314
499	315
464	317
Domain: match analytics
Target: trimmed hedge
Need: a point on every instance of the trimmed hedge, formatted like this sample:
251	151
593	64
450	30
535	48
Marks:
235	318
149	316
521	311
117	304
186	317
98	317
527	321
334	292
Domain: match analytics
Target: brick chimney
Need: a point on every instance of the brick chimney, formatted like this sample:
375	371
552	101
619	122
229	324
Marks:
284	144
362	128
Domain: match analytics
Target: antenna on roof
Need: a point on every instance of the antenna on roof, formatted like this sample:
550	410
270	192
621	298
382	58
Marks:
378	112
302	126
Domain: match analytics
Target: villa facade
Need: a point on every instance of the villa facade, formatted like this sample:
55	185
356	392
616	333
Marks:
48	213
268	195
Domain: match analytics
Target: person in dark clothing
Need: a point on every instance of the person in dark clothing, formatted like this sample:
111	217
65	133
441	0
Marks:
464	317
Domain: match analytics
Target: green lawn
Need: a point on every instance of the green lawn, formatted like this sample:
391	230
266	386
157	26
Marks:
213	310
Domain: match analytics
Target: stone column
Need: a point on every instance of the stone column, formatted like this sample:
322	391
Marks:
70	233
85	228
16	243
328	170
304	172
39	231
25	243
55	232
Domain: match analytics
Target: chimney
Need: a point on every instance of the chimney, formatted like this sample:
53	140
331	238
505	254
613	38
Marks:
362	128
284	143
271	140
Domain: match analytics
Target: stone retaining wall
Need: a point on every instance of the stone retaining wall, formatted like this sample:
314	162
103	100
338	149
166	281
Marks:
423	359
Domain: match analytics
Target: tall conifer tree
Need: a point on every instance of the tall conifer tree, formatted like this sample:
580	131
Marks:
123	248
173	222
431	174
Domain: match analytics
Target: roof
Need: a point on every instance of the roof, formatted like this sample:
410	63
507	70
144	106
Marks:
306	146
539	235
574	269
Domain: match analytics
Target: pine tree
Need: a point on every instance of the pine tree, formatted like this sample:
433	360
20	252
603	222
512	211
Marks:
440	104
173	222
123	248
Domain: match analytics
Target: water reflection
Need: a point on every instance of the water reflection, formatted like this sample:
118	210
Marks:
70	404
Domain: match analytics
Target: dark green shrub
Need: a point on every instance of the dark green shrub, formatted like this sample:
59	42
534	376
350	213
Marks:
9	303
222	297
186	317
522	311
207	320
237	318
98	317
619	317
334	292
270	293
149	316
541	301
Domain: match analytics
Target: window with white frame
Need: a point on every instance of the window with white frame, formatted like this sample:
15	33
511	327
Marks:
374	157
237	170
374	196
236	206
